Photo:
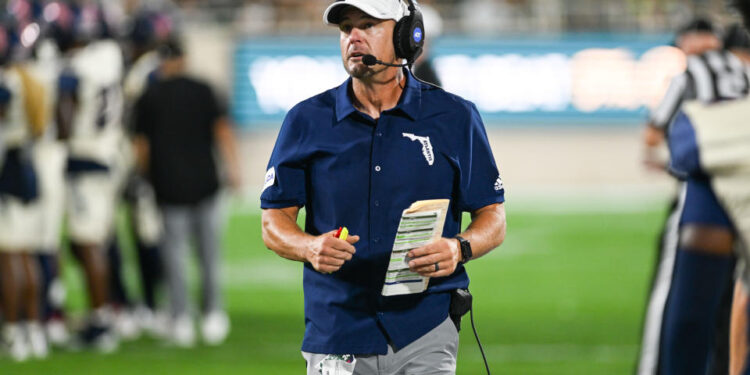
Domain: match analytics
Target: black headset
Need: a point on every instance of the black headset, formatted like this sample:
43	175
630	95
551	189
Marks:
409	35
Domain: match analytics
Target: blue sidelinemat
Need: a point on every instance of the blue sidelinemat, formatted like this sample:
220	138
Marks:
571	78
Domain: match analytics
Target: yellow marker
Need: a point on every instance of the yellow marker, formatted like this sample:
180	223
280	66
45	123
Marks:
344	233
341	234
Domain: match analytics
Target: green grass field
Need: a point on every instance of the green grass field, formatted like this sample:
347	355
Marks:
563	295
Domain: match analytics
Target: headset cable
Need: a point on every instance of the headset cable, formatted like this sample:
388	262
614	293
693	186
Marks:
481	350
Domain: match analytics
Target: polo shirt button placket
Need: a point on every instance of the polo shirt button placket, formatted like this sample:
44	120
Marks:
377	143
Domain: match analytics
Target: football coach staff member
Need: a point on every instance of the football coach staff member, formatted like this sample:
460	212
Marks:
347	155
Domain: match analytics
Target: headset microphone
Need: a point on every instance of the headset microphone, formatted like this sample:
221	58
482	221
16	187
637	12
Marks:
371	60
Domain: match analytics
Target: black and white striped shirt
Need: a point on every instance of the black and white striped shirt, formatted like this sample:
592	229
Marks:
711	77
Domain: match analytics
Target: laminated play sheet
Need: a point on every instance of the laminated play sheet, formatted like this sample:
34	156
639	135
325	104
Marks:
420	224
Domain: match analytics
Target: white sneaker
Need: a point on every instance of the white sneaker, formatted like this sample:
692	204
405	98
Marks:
215	327
98	337
37	340
154	323
57	332
160	325
126	326
15	342
107	343
98	332
183	332
57	293
145	318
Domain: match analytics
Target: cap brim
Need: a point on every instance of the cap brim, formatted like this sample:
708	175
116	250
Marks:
332	14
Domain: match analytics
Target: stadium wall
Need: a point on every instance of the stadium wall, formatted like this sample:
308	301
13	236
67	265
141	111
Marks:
562	79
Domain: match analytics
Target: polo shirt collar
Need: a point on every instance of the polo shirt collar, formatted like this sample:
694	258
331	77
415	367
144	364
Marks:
344	105
409	103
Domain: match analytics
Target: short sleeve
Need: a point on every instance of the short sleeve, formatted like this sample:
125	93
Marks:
683	148
665	112
481	184
215	108
284	182
153	77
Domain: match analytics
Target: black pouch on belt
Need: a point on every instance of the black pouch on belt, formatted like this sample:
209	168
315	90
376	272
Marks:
460	305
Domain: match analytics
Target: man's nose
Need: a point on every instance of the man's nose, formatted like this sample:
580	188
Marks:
356	35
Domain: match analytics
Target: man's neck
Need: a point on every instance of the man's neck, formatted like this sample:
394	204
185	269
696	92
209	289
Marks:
378	93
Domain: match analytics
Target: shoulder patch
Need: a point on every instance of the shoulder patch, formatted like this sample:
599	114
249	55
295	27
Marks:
270	178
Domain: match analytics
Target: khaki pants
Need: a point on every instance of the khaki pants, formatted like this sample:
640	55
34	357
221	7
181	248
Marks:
434	353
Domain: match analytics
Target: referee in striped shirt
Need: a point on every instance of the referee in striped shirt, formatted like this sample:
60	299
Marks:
712	75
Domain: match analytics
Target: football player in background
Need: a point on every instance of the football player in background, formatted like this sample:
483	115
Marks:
49	155
89	115
21	121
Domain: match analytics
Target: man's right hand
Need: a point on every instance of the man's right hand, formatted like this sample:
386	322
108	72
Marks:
654	153
327	253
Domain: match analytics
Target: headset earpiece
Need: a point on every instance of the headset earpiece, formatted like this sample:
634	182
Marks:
409	35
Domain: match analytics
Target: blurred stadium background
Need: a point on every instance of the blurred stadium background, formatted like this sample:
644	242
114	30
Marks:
563	86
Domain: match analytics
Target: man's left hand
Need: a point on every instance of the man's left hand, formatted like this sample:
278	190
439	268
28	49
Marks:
443	252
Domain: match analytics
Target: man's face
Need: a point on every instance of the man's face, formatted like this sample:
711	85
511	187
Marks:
362	35
696	43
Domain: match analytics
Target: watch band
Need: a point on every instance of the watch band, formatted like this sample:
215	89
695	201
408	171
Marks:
466	253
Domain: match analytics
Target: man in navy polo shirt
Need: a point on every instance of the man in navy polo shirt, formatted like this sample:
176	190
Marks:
348	156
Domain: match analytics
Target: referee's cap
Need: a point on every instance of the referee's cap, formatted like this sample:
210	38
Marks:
380	9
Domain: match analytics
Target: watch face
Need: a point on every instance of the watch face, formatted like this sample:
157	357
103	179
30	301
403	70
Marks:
465	249
466	253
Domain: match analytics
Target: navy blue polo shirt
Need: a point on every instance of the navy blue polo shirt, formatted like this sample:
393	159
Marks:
348	169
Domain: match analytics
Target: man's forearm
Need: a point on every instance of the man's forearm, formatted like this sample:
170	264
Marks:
282	234
228	149
487	229
142	153
652	135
